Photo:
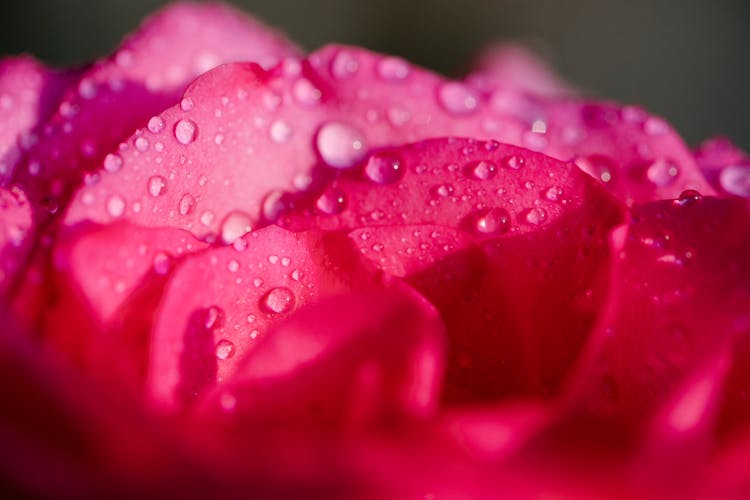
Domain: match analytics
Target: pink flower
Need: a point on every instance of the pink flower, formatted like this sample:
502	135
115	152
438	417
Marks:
230	269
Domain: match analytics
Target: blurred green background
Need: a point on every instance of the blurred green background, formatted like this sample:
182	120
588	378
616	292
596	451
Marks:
684	59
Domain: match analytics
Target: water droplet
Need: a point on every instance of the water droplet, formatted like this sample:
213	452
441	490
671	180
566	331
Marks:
157	185
482	170
687	198
224	349
280	131
141	144
491	221
235	225
457	98
156	124
207	218
655	126
553	194
115	206
331	202
112	162
536	216
306	93
600	167
344	65
735	179
185	131
214	317
384	168
233	266
392	69
443	190
274	204
662	172
340	145
187	104
513	162
187	203
278	300
161	263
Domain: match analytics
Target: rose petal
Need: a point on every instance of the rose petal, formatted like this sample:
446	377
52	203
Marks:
218	305
330	110
484	230
514	67
108	281
725	166
146	74
29	93
367	359
680	291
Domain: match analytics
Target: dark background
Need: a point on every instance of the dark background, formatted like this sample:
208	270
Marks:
684	59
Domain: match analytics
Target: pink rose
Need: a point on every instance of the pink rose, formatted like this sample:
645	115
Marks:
230	269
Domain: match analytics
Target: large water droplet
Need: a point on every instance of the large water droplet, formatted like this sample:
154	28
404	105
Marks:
306	93
235	225
457	98
344	65
187	203
185	131
392	69
384	168
115	206
735	179
224	349
662	172
491	221
687	198
482	170
331	202
280	131
157	185
112	162
536	216
340	145
278	300
156	124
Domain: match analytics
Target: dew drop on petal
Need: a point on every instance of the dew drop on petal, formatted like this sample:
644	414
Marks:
214	317
687	198
535	216
185	131
443	190
662	172
280	131
392	69
344	65
235	225
157	185
278	300
384	168
513	162
161	263
457	98
115	206
553	194
331	202
141	144
156	124
186	204
340	145
735	179
306	93
491	221
482	170
112	162
224	349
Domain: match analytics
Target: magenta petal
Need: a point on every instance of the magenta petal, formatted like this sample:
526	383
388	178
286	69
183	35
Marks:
342	363
29	92
484	230
107	283
146	74
219	304
680	292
